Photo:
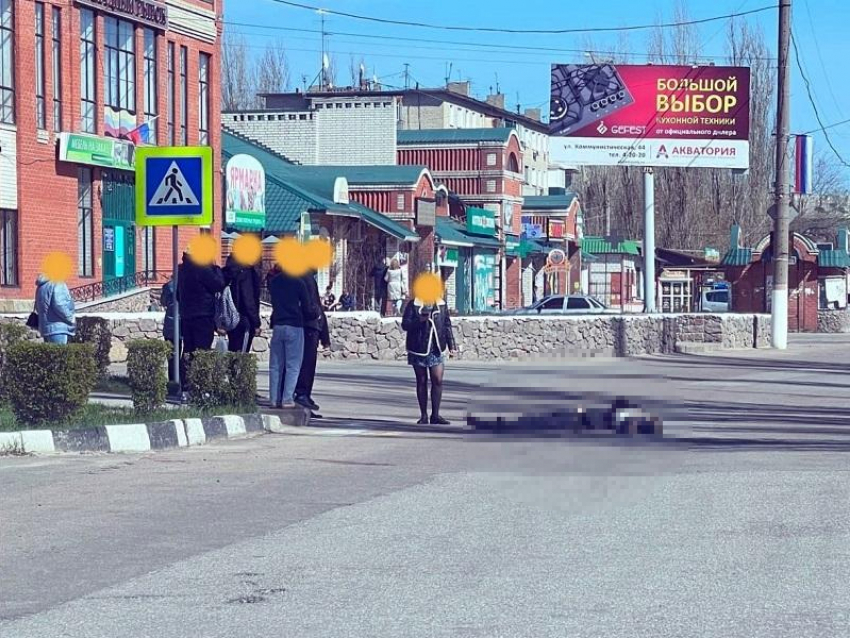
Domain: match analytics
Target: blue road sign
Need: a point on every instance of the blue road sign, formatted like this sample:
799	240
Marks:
174	186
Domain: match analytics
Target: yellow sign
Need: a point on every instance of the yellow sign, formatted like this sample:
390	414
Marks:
174	186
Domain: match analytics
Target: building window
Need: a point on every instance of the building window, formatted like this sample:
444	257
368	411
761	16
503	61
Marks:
149	249
151	93
85	224
171	108
7	62
57	69
88	73
204	99
8	248
490	186
184	95
120	65
491	159
399	203
40	85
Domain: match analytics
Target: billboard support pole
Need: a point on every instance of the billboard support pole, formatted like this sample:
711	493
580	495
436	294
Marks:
781	227
649	239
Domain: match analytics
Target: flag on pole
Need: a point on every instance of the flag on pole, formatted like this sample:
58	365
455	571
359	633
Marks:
140	134
803	165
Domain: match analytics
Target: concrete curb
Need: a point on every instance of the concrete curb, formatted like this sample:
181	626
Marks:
140	437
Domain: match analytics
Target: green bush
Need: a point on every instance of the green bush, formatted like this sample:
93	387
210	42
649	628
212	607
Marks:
147	362
216	379
47	383
10	335
96	331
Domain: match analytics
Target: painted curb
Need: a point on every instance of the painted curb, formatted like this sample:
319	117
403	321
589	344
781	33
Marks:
139	437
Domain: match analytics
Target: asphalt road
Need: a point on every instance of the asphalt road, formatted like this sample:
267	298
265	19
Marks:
737	525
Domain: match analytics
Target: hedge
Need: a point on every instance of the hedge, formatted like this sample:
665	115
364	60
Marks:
96	331
216	379
147	361
50	382
10	335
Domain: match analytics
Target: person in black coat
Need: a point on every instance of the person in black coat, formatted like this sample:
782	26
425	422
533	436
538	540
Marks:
315	332
168	300
244	282
429	338
197	287
379	292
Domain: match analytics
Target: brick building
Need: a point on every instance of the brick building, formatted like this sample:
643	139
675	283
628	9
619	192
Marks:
482	168
323	129
77	76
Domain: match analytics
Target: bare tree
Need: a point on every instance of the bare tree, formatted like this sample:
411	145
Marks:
272	70
827	208
238	78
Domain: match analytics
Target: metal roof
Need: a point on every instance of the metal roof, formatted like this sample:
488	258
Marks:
389	175
602	246
833	259
738	257
455	136
452	231
548	202
286	199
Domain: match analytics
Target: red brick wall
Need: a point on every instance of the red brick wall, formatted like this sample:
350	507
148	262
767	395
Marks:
513	283
47	189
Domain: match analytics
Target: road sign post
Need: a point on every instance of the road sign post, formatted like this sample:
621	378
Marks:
174	187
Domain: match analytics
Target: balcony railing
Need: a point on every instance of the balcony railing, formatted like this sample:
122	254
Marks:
119	285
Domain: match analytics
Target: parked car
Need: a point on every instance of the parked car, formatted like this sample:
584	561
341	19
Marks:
717	300
565	305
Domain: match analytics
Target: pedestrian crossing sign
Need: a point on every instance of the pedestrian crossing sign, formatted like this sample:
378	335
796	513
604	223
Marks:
174	186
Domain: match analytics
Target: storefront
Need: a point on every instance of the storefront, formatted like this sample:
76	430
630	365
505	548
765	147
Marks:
468	262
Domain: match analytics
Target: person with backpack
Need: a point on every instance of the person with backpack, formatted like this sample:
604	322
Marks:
197	288
244	284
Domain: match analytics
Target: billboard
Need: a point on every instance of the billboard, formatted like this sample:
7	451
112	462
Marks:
246	193
647	115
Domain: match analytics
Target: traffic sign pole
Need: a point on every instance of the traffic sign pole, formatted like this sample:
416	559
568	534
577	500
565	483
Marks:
178	342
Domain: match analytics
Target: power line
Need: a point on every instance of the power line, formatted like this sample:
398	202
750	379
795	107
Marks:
827	127
811	97
448	27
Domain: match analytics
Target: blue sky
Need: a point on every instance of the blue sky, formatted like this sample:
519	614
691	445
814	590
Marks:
523	75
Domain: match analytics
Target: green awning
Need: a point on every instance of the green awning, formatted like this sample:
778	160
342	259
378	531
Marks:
453	233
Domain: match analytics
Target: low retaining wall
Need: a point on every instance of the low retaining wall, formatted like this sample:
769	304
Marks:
365	335
834	321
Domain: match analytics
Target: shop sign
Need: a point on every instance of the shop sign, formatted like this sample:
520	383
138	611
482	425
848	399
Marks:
480	222
532	231
678	275
448	257
105	152
556	229
511	246
426	212
109	239
246	193
154	14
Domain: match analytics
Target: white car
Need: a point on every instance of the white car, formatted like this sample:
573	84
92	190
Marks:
566	305
716	300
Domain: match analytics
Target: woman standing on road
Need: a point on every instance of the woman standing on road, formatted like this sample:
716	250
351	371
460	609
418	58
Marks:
429	337
396	286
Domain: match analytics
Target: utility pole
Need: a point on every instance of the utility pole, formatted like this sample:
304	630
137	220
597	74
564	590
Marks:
782	202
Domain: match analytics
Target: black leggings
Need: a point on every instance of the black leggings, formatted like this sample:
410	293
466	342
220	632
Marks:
436	374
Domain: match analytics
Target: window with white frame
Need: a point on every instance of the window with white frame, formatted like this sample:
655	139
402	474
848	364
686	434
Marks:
40	61
149	249
491	159
490	186
204	99
57	68
7	62
85	223
151	91
171	106
120	47
88	72
400	202
184	96
9	248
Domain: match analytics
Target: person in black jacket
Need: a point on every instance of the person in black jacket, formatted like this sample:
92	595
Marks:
429	337
292	307
244	282
315	332
168	300
379	291
197	287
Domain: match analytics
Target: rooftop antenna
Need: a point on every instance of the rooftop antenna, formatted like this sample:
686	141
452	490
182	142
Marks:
406	76
498	88
449	66
324	59
518	105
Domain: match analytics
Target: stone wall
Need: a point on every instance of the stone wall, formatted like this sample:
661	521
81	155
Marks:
138	300
834	321
365	335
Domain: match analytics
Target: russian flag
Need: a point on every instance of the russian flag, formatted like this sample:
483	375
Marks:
141	134
803	165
